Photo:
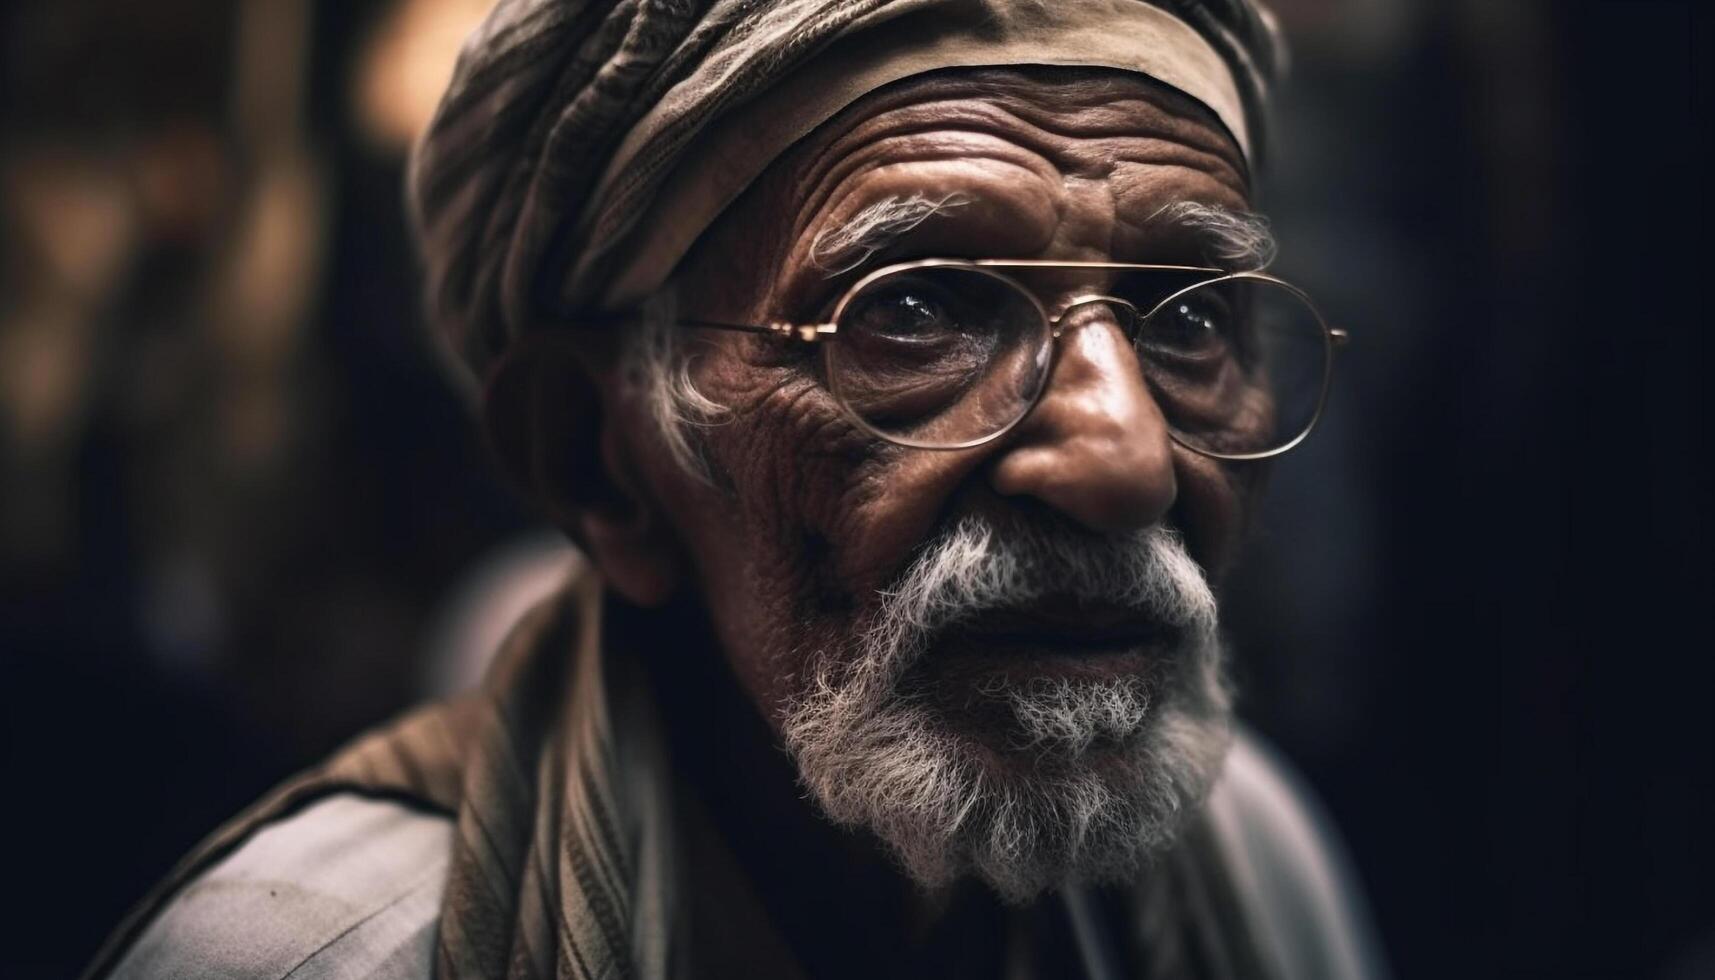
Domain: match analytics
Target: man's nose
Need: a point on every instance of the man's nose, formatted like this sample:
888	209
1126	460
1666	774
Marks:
1096	447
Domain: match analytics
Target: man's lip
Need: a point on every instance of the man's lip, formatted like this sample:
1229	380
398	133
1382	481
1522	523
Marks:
1062	627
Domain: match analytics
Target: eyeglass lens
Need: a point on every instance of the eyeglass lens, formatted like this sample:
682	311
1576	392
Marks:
949	356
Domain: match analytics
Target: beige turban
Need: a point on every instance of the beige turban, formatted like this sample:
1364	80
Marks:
583	146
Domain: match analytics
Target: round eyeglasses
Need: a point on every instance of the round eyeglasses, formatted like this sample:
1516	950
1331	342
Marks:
953	353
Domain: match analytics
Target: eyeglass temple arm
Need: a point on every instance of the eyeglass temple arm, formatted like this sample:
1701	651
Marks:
807	332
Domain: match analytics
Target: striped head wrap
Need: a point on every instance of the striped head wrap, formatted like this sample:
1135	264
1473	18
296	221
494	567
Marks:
583	145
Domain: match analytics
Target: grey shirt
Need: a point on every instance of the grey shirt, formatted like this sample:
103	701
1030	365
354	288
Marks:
351	887
347	887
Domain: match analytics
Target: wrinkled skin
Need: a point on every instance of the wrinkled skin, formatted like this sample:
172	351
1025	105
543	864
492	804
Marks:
820	515
810	516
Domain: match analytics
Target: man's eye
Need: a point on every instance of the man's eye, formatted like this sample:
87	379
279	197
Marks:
907	315
1189	326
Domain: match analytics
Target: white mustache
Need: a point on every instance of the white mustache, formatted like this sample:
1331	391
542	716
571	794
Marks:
975	567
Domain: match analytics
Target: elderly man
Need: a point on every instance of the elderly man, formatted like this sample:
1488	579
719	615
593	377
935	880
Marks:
904	371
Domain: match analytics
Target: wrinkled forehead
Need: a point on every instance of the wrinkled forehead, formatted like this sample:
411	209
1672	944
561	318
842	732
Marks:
1135	38
984	163
1078	120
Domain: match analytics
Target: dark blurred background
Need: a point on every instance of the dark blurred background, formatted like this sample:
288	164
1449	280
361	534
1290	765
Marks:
243	516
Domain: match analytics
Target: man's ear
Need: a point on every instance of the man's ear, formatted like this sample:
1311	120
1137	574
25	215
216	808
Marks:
555	418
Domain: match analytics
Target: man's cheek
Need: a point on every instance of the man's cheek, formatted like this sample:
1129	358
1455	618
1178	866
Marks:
1211	511
758	528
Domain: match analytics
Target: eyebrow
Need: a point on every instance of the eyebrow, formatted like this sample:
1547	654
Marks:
1241	241
1224	237
853	242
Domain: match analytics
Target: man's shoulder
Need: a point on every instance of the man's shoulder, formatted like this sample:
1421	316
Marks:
1290	867
347	886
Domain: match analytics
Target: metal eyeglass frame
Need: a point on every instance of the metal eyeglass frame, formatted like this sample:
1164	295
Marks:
1333	337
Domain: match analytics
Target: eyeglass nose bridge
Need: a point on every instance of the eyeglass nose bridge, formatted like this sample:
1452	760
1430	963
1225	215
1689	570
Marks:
1127	316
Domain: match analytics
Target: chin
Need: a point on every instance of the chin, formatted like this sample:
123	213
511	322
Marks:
1056	707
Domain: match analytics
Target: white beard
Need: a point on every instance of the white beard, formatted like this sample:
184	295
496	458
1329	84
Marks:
1117	764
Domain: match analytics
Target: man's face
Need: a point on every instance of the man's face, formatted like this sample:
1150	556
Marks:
964	649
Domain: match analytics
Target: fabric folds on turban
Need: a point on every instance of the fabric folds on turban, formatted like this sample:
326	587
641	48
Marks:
583	146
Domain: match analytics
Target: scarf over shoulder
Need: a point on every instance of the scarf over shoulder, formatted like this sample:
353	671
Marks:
563	860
